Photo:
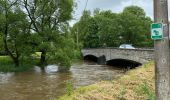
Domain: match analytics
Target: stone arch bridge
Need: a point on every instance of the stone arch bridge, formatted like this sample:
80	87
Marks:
104	55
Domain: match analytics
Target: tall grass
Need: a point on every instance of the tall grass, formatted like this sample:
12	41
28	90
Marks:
69	88
136	84
7	65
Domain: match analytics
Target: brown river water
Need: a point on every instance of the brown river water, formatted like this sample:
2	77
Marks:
50	84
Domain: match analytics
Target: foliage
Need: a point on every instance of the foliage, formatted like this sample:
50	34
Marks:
37	26
14	30
80	29
135	27
8	66
108	27
69	88
63	51
49	20
105	28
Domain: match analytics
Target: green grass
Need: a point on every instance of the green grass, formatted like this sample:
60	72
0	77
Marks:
69	88
146	90
136	84
7	65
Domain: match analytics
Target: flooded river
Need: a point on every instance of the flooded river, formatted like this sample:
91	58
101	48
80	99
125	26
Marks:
38	85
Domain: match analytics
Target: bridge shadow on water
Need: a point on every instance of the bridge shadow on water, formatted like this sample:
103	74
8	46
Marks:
120	63
123	63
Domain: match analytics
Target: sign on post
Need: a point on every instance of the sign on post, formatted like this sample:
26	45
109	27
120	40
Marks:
157	31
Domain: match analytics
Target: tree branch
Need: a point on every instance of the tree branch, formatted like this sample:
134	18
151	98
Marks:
32	18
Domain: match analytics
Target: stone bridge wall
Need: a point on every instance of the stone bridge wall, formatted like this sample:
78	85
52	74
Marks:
138	55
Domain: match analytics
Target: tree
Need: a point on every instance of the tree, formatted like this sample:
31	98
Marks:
135	10
135	26
46	19
63	50
14	30
108	28
98	30
91	37
79	30
105	28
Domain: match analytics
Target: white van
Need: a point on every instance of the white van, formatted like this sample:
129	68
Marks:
126	46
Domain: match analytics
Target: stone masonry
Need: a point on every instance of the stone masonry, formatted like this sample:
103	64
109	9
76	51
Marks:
138	55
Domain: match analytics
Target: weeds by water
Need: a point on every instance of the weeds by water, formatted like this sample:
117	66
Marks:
69	88
136	84
7	65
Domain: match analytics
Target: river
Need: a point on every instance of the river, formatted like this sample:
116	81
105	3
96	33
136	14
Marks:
49	84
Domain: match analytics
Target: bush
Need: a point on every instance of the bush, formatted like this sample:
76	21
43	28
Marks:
7	65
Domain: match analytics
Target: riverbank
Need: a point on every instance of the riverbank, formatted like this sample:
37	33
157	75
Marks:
137	84
7	65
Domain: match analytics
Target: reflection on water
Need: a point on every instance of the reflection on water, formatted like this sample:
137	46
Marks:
49	69
4	77
38	85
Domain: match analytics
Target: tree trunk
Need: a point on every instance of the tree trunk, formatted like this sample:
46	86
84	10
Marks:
43	58
16	61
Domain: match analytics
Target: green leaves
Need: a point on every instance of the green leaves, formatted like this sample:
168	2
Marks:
135	26
49	19
105	28
66	6
135	11
37	26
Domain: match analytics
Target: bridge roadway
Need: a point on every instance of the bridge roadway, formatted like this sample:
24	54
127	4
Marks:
104	55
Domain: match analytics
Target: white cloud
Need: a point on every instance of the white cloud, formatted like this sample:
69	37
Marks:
147	5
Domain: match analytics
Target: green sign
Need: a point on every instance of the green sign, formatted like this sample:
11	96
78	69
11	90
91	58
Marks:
157	31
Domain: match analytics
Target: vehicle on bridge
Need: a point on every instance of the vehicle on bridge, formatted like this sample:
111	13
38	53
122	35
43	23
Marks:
126	46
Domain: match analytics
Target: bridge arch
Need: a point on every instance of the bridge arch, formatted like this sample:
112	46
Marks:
100	60
123	63
91	58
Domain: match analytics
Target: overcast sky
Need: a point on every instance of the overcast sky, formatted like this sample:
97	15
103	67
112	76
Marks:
114	5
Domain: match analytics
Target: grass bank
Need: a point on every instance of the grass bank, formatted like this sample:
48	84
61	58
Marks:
7	65
137	84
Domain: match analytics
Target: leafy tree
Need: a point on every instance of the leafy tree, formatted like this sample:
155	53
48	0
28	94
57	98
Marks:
105	28
98	30
135	26
47	18
79	30
91	37
135	10
63	50
14	30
